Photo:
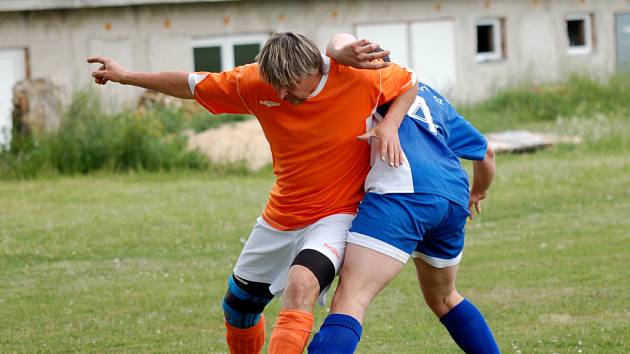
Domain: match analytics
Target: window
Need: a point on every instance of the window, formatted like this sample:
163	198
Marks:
579	34
223	53
490	41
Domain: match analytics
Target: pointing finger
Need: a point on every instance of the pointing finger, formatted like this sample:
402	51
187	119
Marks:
96	60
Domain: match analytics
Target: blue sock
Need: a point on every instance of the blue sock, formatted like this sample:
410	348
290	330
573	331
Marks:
339	334
469	329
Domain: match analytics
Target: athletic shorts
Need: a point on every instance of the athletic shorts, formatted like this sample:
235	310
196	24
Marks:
425	226
268	252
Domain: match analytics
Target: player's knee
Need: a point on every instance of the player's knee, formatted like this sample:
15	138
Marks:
441	303
302	288
346	297
313	274
244	302
318	266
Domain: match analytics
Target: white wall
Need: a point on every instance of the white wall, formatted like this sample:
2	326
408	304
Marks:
536	45
11	71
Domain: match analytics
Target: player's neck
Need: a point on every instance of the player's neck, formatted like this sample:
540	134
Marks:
316	79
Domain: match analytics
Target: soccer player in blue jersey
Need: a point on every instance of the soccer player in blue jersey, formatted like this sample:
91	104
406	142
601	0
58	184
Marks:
417	210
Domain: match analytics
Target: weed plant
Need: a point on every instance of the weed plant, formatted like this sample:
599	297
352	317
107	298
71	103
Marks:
90	140
580	97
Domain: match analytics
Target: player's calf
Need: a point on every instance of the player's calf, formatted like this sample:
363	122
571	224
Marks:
244	302
311	273
243	305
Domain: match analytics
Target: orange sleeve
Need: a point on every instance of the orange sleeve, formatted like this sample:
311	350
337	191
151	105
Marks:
395	80
219	92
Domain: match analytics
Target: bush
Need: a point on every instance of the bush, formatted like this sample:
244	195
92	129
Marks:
25	159
579	96
90	140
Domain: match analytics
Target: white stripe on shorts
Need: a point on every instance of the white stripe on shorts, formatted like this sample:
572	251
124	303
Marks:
378	246
438	262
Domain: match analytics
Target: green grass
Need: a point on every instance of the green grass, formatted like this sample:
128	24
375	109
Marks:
137	263
113	262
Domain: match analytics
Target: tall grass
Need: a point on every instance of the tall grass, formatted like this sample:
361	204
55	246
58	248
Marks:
90	140
578	97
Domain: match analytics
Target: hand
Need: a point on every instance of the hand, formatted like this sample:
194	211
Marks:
475	200
109	70
387	134
357	54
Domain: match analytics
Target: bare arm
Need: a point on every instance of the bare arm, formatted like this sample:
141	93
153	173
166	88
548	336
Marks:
387	130
170	83
347	50
483	173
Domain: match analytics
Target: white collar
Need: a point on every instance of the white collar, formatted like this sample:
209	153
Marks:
322	81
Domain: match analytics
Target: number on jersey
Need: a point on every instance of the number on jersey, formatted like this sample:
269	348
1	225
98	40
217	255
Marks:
420	111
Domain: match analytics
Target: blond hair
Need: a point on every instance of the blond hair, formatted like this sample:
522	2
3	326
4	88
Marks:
288	57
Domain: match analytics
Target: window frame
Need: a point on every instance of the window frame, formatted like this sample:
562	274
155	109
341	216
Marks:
587	48
497	36
226	44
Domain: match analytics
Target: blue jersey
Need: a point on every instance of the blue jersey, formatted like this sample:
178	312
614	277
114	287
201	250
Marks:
433	137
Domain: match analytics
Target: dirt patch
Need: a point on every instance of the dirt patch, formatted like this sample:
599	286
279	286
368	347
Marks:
242	142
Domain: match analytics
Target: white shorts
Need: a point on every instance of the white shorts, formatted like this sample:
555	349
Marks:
268	252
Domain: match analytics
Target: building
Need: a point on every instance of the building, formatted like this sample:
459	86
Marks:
468	48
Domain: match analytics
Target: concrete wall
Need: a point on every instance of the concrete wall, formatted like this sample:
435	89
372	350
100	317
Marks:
158	37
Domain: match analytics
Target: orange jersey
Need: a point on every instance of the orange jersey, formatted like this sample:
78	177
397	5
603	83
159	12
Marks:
319	164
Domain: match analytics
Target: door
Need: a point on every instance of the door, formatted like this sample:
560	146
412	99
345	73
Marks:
12	70
623	43
428	47
433	53
391	36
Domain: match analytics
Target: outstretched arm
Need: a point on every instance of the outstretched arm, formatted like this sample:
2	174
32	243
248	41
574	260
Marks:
483	173
347	50
170	83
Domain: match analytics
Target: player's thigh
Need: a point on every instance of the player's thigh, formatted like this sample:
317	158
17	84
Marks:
318	249
365	272
266	255
328	237
435	282
439	252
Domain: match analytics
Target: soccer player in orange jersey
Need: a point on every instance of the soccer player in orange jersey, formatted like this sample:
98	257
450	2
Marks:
312	110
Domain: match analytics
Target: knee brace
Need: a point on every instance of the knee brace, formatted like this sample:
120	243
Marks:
322	267
244	301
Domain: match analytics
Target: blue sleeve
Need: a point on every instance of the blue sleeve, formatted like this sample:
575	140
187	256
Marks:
464	139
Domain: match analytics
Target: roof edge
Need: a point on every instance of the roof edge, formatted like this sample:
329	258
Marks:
38	5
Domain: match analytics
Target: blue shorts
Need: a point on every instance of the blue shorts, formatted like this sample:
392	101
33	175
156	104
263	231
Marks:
425	226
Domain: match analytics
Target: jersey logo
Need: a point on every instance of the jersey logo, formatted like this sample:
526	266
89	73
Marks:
333	250
270	103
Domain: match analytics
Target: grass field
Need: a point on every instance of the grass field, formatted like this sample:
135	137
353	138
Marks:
138	263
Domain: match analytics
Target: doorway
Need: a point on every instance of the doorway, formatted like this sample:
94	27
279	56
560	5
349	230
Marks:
12	70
